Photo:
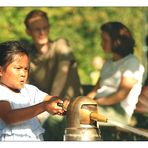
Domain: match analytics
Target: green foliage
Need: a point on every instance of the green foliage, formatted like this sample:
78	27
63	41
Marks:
80	25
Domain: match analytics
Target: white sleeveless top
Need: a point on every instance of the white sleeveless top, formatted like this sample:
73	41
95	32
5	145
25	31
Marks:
29	129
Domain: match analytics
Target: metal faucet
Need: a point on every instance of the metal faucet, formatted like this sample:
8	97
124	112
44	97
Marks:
81	117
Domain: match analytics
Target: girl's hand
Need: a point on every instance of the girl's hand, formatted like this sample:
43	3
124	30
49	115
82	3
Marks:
52	107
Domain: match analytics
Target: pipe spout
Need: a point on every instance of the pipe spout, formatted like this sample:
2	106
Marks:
83	110
98	117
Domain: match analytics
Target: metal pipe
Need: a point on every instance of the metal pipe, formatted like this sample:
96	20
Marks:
129	128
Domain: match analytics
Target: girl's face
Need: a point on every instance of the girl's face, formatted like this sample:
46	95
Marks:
106	42
16	73
39	30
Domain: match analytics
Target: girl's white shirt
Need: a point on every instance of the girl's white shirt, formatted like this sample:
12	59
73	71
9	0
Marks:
30	129
111	74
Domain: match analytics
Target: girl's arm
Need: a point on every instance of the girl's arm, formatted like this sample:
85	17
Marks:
12	116
125	86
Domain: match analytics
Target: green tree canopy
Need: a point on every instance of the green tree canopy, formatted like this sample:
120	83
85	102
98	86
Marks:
80	25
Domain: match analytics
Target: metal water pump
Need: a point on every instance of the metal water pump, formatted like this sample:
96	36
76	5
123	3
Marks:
82	116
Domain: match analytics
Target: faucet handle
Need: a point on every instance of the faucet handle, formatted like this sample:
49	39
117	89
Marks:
60	104
64	105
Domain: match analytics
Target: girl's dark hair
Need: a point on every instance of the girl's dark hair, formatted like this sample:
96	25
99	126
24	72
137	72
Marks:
122	40
8	50
35	13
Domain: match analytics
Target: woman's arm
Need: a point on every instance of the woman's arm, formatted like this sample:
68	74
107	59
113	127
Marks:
125	86
93	92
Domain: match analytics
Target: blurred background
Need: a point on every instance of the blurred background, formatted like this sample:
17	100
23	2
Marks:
80	26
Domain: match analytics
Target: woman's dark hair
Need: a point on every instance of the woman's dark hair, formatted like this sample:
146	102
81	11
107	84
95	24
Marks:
8	51
35	13
122	40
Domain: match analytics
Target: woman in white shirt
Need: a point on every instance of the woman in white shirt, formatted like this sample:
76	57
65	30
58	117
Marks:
20	103
120	82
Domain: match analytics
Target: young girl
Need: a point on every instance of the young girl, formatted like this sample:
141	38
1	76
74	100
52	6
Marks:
20	103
